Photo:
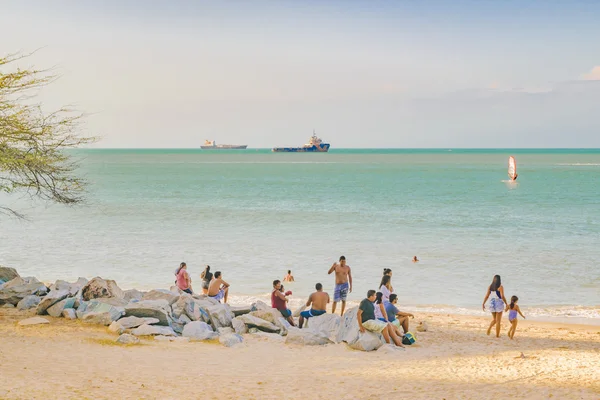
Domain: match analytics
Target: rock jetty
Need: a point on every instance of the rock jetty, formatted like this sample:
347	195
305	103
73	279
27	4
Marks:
171	314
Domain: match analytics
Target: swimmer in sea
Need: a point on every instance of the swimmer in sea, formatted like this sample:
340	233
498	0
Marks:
415	259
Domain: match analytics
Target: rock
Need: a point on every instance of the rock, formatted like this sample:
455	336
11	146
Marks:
33	321
253	330
185	319
350	333
252	321
134	322
158	294
69	313
57	309
8	274
273	316
101	288
72	288
224	330
28	302
127	339
113	301
239	326
237	311
132	294
145	330
183	306
158	309
18	288
230	339
202	298
305	337
220	315
50	299
367	341
259	305
116	327
326	325
98	312
8	305
198	330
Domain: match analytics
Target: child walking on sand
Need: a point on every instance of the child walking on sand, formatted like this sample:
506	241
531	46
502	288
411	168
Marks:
512	315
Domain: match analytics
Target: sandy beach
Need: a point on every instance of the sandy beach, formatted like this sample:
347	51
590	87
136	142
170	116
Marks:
453	360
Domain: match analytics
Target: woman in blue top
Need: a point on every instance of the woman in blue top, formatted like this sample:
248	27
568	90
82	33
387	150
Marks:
495	293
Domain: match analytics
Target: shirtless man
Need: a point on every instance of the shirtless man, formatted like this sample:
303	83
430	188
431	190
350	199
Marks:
343	276
289	277
319	301
218	289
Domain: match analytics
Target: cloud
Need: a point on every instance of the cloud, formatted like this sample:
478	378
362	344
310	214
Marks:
593	75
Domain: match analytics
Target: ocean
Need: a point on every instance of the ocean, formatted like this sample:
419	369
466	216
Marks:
254	214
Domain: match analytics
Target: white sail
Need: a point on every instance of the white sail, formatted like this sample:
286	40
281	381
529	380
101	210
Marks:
512	167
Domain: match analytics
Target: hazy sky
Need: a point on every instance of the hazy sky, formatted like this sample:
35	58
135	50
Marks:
362	73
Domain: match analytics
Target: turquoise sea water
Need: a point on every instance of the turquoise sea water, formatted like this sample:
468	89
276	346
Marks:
254	214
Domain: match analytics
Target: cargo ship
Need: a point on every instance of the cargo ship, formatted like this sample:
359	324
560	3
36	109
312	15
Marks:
315	144
212	145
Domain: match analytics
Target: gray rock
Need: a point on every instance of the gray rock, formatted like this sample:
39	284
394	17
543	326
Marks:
146	330
220	315
185	319
326	325
101	288
253	330
8	305
33	321
367	341
7	274
158	294
177	326
132	294
224	330
254	322
134	322
72	288
69	313
158	309
97	312
184	306
306	337
198	330
350	333
18	288
50	299
239	326
273	316
116	327
113	301
241	310
28	302
259	305
104	318
57	309
127	339
230	339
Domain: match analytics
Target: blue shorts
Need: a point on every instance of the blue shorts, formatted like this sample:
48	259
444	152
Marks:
286	313
312	313
188	291
340	292
219	295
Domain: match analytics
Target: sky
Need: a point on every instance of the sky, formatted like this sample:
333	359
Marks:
170	74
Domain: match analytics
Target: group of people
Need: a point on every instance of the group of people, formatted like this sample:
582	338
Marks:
213	285
498	305
376	313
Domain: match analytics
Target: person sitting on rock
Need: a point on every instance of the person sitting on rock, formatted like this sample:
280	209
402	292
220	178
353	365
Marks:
367	321
318	302
395	316
184	282
279	300
218	288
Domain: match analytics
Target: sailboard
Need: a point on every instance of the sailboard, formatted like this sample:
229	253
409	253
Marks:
512	168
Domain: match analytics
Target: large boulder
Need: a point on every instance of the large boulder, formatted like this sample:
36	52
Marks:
350	334
273	316
72	288
8	274
185	306
56	309
326	325
146	330
101	288
220	315
158	309
230	339
241	310
198	330
259	305
239	326
134	322
50	299
158	294
69	313
254	322
28	302
306	337
132	294
367	341
13	291
97	312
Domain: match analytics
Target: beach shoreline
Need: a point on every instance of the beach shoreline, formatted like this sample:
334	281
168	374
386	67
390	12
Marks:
453	359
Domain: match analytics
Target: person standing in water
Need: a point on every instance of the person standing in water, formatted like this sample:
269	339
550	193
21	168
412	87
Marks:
206	276
343	283
289	277
495	293
183	281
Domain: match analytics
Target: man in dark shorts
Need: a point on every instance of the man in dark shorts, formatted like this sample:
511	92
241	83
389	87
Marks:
279	300
343	283
318	303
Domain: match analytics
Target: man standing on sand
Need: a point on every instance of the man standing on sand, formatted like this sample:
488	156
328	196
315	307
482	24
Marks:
343	283
318	300
218	289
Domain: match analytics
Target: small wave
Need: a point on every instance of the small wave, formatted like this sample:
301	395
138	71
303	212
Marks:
579	164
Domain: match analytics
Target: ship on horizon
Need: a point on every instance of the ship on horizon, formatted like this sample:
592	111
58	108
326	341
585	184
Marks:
314	145
212	145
